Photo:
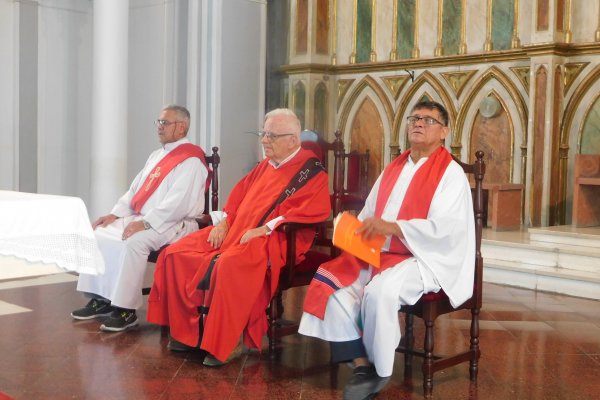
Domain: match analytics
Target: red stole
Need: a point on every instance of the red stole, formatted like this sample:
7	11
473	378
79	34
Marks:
241	285
344	270
163	168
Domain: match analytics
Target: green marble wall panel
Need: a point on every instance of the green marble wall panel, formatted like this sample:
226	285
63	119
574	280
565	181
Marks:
320	111
451	26
406	28
590	136
300	102
363	31
503	16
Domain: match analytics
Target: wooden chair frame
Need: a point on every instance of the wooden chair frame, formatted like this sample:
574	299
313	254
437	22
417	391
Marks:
432	305
294	274
211	199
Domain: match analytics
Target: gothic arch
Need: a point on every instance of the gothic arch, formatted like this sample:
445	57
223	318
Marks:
380	97
574	113
320	109
367	88
495	136
426	78
574	102
299	101
494	73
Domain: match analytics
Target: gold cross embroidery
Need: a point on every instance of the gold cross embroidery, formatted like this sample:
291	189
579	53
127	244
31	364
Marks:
153	176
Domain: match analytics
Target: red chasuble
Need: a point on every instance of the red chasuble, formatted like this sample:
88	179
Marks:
241	284
344	270
162	169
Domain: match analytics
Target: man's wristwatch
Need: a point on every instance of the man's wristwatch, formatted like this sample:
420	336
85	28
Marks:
146	224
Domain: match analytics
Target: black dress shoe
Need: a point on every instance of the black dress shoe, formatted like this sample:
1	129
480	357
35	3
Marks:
174	345
365	384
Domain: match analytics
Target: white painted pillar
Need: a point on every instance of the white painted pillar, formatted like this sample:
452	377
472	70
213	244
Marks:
109	105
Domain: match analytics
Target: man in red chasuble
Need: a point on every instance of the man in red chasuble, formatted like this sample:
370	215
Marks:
422	204
213	287
160	207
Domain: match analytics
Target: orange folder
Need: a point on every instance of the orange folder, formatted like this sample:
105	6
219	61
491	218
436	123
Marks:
345	226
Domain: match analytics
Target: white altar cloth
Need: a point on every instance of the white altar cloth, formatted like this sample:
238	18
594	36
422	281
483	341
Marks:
49	229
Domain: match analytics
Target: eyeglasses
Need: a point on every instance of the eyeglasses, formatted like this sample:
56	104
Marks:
271	137
164	122
428	120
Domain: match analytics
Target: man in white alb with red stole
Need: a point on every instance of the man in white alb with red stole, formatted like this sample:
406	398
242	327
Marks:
213	286
422	204
160	207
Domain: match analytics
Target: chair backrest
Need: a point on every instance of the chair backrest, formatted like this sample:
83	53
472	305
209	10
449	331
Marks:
350	172
357	174
211	197
477	170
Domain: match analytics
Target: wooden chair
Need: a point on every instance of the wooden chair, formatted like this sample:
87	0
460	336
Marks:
356	186
350	173
300	274
432	305
211	199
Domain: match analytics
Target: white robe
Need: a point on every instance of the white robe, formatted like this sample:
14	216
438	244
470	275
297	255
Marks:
170	211
443	248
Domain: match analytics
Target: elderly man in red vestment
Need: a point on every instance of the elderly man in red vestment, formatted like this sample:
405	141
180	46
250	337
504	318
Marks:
213	286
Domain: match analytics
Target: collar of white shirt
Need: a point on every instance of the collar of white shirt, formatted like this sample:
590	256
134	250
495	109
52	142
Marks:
172	145
276	166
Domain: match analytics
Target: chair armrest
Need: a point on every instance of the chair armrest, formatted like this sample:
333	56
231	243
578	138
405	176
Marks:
296	226
204	220
290	229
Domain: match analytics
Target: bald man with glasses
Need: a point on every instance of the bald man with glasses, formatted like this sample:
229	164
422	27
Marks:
214	286
160	207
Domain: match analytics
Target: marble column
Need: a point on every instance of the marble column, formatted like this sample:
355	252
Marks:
108	178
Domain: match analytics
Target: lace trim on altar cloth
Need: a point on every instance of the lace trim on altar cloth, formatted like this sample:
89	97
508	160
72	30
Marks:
69	251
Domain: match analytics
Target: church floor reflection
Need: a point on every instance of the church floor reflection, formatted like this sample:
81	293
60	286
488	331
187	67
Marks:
534	346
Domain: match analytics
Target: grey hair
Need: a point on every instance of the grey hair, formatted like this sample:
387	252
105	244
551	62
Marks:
294	121
182	114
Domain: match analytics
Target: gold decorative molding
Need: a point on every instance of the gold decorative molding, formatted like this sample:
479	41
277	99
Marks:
395	84
343	86
439	49
334	34
523	53
462	48
394	51
597	33
373	56
515	42
416	53
572	71
457	80
488	45
352	59
523	74
568	32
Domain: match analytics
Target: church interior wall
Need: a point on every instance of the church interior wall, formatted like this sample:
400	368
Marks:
64	104
8	86
242	88
46	81
152	54
561	41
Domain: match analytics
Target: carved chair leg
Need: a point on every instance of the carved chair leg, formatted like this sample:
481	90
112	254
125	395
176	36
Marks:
474	362
274	313
409	340
428	362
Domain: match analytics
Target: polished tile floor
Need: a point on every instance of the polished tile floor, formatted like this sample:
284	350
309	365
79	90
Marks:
534	346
